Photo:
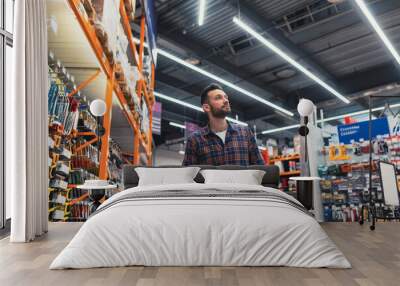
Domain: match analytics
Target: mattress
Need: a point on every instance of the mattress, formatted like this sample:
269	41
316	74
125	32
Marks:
201	225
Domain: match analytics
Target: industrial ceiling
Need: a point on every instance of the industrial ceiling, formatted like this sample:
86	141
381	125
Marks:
332	39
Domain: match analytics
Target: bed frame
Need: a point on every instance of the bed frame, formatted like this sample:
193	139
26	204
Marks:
130	178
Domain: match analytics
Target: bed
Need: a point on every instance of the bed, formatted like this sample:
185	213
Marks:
198	224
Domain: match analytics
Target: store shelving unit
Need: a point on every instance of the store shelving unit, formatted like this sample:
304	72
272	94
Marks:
73	155
285	158
346	187
287	169
72	151
290	173
85	15
59	143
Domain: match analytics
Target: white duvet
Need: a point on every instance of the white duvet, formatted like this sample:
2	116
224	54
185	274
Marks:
200	231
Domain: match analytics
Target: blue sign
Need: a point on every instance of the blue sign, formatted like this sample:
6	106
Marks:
359	130
151	23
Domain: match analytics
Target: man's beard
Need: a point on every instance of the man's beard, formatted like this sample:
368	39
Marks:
219	113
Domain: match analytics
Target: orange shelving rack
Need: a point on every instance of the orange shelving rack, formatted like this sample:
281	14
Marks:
144	91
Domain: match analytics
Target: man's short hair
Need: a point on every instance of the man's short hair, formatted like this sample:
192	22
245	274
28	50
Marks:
204	93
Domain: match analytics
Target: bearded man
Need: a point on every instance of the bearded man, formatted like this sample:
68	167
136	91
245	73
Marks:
220	142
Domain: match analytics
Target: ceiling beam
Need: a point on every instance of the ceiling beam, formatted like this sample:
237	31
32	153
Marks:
198	50
164	85
279	39
357	83
193	92
354	84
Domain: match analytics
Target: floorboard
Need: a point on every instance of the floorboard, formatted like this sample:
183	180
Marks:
375	257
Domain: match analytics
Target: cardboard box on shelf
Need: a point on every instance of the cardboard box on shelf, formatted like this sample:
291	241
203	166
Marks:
130	6
108	20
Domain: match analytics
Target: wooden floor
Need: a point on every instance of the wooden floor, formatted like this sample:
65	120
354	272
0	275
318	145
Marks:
375	257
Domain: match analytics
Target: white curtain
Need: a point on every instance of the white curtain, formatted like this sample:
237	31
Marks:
26	123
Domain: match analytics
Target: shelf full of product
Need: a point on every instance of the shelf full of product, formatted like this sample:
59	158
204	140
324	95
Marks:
345	178
287	157
73	158
107	27
289	165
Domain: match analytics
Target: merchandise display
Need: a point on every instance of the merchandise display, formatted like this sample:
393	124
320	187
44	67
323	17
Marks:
115	164
289	166
60	154
345	184
288	162
73	155
106	19
128	70
85	156
86	122
62	109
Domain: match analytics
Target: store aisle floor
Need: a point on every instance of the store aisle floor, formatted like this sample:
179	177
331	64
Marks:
375	257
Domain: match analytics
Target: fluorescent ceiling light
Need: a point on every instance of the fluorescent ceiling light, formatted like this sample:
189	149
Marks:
180	102
280	129
177	125
357	113
177	101
202	11
221	80
287	58
378	29
236	121
224	82
331	118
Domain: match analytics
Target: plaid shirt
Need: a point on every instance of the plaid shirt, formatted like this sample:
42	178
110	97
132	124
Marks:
204	147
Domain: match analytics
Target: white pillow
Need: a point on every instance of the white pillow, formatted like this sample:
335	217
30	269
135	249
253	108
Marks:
166	176
248	177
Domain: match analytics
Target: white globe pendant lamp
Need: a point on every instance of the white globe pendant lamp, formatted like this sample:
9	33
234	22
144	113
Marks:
305	107
98	107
